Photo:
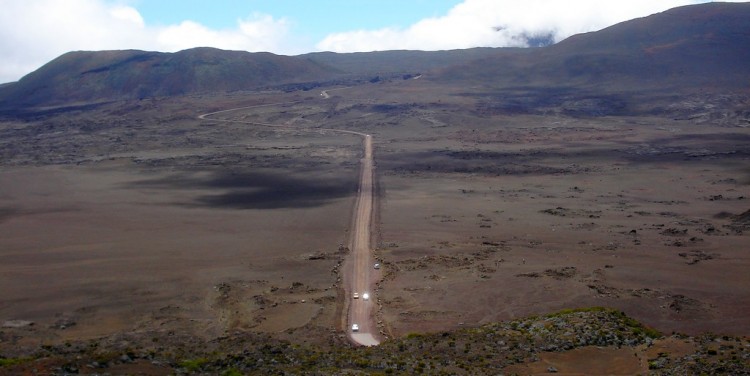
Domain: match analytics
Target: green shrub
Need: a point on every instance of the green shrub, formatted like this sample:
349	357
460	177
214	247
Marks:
231	372
5	362
193	365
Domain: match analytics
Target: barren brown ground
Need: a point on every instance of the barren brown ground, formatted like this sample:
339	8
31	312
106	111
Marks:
144	218
496	217
183	238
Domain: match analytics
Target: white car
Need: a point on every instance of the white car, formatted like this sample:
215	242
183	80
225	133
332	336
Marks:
377	266
356	295
366	296
355	328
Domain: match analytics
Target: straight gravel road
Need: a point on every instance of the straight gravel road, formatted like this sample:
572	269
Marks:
358	269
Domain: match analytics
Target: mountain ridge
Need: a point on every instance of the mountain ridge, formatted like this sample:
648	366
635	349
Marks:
695	48
685	47
85	76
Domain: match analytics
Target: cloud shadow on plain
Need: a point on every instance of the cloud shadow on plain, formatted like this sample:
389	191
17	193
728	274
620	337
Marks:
255	190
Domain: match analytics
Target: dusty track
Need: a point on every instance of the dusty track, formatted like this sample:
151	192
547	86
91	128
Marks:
357	271
360	262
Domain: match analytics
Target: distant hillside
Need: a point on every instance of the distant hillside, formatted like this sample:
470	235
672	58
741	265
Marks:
399	62
698	48
110	75
705	46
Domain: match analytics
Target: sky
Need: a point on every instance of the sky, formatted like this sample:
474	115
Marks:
33	32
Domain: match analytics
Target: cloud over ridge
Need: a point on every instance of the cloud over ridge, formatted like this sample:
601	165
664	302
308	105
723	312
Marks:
499	23
33	32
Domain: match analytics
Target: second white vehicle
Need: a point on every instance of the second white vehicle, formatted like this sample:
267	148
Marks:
355	328
366	296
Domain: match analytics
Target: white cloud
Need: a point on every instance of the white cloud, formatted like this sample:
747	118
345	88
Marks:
264	31
498	23
127	14
33	32
257	33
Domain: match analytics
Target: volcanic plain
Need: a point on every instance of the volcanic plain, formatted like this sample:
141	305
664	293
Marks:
142	217
510	213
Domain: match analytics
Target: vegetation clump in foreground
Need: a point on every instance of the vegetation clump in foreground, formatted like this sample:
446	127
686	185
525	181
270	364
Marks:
487	349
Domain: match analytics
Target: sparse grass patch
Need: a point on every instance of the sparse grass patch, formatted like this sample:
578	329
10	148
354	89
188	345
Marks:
232	372
8	362
569	311
194	365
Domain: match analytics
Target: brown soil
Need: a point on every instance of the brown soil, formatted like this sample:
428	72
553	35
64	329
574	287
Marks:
493	218
143	218
183	238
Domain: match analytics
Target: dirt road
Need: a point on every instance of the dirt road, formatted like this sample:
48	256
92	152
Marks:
359	276
360	262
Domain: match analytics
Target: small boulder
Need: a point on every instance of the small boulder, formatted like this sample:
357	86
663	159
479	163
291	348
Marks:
17	323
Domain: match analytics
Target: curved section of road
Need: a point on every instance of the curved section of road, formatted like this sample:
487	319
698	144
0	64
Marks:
358	275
